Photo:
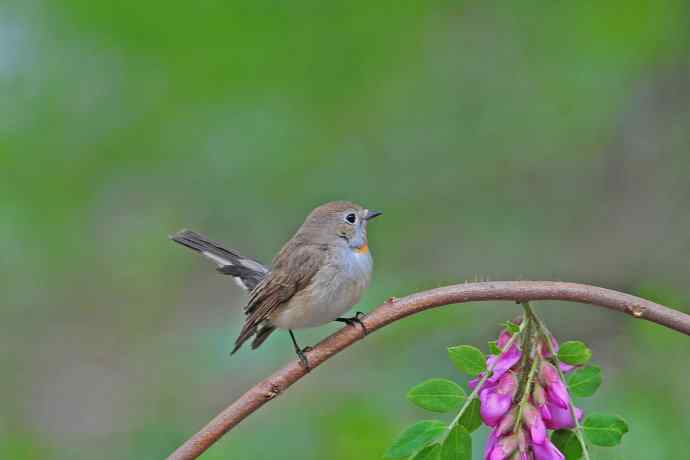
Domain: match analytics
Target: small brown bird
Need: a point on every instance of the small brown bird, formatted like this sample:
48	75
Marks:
317	276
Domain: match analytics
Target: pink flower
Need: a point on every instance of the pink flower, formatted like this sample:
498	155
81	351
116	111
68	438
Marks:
548	374
545	412
537	429
506	424
547	451
496	401
556	390
493	406
558	394
475	381
565	368
544	347
503	339
523	442
538	394
502	448
513	447
556	418
546	353
502	363
499	364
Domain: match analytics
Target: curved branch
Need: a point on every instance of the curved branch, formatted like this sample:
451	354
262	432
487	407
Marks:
395	309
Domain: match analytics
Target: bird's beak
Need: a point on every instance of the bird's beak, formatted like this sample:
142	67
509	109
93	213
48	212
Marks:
371	214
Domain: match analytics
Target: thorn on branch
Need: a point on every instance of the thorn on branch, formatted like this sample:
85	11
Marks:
636	310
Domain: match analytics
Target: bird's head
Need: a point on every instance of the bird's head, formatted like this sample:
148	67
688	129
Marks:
339	222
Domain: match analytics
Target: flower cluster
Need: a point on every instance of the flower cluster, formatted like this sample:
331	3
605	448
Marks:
522	398
520	392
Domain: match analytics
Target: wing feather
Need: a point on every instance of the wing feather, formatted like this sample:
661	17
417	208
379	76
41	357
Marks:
293	269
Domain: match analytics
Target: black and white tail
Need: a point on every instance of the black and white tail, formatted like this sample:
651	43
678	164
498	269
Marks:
246	272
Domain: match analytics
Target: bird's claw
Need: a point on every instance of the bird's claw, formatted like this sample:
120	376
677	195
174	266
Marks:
303	358
354	320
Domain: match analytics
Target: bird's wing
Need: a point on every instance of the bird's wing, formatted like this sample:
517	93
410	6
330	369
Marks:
293	269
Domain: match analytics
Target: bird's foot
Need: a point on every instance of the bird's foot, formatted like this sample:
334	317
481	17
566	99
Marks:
354	320
301	352
303	358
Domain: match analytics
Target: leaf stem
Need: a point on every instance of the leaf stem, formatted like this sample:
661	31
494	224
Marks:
487	372
579	432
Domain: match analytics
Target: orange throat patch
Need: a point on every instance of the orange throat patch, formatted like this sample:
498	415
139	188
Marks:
362	249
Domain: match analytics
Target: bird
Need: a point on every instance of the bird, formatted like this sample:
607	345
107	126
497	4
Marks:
317	276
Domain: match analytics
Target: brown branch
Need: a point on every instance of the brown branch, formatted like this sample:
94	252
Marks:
395	309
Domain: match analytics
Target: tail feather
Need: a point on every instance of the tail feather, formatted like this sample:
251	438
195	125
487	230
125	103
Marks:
246	272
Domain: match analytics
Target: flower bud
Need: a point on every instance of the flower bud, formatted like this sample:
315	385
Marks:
503	448
502	364
547	374
508	443
517	455
538	394
545	412
506	424
558	394
544	347
547	451
522	440
503	339
559	418
532	417
556	390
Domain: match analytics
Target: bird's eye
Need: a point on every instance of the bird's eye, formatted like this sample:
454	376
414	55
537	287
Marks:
351	218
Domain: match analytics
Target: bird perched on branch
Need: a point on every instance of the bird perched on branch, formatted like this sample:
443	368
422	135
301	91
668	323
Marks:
318	275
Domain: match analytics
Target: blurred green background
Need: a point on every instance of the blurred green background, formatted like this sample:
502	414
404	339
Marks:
545	140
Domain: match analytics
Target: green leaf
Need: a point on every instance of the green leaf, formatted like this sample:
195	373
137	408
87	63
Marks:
468	359
604	430
574	352
457	445
493	348
437	395
567	443
430	452
414	438
584	382
471	418
511	327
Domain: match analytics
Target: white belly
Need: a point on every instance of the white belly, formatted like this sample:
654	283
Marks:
333	291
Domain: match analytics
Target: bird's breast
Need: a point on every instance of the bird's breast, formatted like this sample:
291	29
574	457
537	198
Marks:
335	288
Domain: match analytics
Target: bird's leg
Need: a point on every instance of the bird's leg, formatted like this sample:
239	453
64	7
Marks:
300	351
354	320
